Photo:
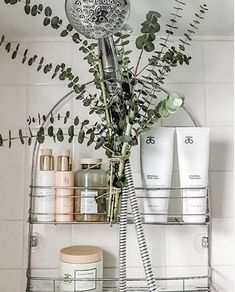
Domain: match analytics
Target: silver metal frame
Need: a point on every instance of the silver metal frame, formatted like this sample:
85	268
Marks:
171	221
113	282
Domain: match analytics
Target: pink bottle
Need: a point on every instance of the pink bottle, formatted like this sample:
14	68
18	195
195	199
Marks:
64	196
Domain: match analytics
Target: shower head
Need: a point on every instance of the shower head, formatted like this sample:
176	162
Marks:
97	19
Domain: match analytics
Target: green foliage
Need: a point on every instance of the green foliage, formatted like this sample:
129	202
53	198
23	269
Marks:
149	28
126	107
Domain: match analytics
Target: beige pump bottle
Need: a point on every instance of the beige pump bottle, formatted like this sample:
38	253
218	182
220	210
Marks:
64	197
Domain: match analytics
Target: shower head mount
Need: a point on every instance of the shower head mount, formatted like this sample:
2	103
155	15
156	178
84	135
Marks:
97	19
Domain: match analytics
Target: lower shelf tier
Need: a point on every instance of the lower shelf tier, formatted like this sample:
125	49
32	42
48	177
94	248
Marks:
174	284
170	221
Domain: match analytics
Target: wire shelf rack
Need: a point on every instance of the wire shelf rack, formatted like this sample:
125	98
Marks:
173	284
173	217
38	283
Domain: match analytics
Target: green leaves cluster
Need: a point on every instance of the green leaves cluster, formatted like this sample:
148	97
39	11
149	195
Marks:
149	28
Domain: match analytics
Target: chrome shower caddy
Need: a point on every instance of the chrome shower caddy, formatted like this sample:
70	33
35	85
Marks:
37	282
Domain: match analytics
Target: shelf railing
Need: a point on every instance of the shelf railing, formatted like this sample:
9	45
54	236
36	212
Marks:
170	284
173	218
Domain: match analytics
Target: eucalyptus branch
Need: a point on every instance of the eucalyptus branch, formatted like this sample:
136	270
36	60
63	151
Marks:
193	27
169	31
55	21
60	69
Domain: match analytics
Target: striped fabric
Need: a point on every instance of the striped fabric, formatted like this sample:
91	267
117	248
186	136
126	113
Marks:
130	190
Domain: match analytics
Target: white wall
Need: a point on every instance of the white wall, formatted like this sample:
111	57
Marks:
208	85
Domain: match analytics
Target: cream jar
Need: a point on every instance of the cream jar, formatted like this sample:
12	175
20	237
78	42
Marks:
81	262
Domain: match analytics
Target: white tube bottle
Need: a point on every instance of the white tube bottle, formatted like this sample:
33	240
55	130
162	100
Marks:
64	196
193	156
45	199
157	149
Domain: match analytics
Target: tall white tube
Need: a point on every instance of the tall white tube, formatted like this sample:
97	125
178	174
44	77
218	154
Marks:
193	155
157	148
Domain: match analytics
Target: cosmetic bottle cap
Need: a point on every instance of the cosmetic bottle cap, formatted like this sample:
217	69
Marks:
46	160
63	163
46	152
64	152
91	161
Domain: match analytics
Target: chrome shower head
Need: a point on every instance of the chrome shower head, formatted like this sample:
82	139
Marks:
97	19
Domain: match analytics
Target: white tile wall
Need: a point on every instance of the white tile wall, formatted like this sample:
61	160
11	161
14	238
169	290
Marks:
222	152
218	60
96	235
11	253
14	98
219	101
11	280
183	246
207	84
222	244
222	185
223	278
12	71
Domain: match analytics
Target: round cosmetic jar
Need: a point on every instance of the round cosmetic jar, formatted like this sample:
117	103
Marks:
81	267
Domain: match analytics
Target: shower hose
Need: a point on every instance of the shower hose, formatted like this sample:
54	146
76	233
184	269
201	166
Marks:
129	191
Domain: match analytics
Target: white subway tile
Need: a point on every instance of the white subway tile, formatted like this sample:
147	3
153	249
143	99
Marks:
223	279
12	196
222	194
155	238
183	246
186	272
218	57
219	104
223	242
53	52
44	285
80	66
41	99
13	71
135	158
192	73
103	236
195	102
13	106
221	148
11	242
52	239
10	280
12	159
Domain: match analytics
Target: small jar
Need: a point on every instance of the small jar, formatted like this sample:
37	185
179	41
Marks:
90	202
81	262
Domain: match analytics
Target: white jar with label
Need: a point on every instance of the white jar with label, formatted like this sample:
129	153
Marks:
90	201
83	264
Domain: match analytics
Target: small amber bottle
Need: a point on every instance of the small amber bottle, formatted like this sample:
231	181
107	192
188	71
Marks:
90	198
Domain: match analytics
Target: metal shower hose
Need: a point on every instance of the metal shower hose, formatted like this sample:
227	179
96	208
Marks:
129	190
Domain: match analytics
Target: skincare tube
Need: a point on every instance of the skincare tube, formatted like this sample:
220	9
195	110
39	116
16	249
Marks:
157	147
193	155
